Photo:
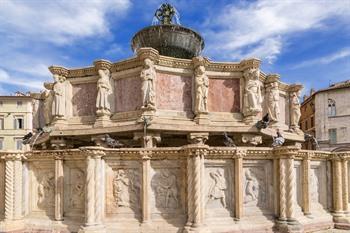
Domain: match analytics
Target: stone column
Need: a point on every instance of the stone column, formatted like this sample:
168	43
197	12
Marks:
90	192
94	190
146	179
306	184
287	222
189	191
345	186
238	177
195	182
59	188
13	192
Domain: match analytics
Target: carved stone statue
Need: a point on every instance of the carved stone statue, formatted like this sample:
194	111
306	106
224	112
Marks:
148	75
47	96
218	187
202	85
59	100
165	13
273	102
252	93
251	188
294	110
46	190
103	91
121	185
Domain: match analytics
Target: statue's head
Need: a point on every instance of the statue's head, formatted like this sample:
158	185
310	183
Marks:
148	63
200	70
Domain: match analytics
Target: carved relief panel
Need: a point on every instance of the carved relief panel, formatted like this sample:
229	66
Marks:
42	195
2	189
218	188
258	187
298	191
74	188
167	189
123	189
319	180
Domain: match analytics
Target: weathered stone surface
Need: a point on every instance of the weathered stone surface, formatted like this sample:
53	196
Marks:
224	95
84	99
174	92
128	94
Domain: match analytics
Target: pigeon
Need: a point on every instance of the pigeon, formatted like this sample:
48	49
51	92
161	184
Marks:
264	122
26	138
228	141
111	142
311	138
278	140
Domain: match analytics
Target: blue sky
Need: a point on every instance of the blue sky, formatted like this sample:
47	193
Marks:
305	41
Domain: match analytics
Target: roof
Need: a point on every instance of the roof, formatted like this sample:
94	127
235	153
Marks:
334	86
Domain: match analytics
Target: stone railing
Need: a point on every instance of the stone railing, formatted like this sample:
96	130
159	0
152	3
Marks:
192	188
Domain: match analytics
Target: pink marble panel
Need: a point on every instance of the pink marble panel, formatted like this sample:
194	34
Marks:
224	95
174	92
84	99
128	94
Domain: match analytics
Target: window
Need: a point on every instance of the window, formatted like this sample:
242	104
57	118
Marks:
1	122
1	103
19	144
332	134
312	122
331	107
19	122
19	103
1	143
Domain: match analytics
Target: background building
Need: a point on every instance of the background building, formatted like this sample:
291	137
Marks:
16	117
326	114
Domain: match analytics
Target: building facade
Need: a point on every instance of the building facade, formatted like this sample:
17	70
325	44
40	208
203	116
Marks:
326	114
16	117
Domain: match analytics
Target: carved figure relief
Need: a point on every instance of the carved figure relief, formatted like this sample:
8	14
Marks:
46	190
252	92
148	75
78	188
294	109
103	91
59	100
202	86
273	102
166	190
254	190
125	188
218	187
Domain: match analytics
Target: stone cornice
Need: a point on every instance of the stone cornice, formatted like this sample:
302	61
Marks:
12	155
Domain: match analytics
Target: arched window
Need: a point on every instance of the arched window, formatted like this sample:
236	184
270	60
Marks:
331	107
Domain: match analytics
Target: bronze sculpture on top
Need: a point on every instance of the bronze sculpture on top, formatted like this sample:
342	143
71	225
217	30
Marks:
169	38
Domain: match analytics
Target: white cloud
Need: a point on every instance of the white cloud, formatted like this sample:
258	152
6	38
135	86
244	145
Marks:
259	28
59	22
343	53
5	78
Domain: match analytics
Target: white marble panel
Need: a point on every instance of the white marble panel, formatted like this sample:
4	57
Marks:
74	188
258	196
167	189
42	188
298	190
319	181
219	188
123	189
